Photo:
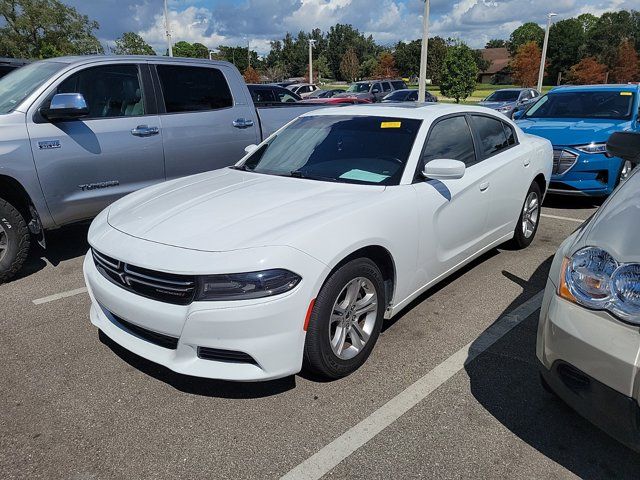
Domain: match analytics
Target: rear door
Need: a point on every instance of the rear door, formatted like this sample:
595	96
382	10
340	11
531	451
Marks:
205	123
85	164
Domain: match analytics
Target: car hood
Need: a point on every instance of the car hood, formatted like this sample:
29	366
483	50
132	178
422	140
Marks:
615	227
228	209
573	131
496	105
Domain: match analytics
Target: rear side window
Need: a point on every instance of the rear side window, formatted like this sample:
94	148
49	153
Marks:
263	95
510	133
398	85
386	86
491	135
192	89
110	90
285	96
450	138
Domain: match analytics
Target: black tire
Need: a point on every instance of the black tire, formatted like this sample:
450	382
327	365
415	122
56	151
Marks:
546	387
319	357
520	239
15	238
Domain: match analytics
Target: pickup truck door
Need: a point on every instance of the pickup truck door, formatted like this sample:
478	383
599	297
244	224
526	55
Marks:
86	164
206	116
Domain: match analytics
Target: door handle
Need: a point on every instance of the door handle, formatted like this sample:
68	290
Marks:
484	186
243	123
527	162
144	131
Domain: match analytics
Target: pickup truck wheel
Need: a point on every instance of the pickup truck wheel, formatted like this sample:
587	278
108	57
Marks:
14	241
529	219
345	321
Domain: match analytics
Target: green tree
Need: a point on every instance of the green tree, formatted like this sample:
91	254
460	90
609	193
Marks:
321	66
200	50
481	63
183	49
45	28
459	73
239	56
496	43
566	43
342	38
407	57
604	37
131	43
350	65
525	33
368	67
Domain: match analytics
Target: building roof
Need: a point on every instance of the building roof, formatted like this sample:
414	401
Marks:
499	58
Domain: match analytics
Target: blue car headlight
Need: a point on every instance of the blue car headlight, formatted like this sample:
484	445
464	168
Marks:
593	148
594	279
246	286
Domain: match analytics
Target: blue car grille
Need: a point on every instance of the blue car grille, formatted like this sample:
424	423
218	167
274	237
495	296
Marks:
563	160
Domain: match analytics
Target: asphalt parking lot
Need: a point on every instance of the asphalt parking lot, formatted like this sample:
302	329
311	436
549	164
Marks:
450	391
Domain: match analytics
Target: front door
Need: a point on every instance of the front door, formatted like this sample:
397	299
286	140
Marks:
86	164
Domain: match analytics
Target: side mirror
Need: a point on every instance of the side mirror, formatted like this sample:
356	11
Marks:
250	148
66	106
375	90
444	169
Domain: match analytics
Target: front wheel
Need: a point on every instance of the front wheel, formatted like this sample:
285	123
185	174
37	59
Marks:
625	171
346	320
527	225
14	241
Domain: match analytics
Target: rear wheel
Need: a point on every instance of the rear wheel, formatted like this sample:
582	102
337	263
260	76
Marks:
346	320
14	241
527	225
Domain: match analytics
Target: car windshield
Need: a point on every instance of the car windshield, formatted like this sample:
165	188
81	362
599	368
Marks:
613	104
503	96
20	83
339	148
359	87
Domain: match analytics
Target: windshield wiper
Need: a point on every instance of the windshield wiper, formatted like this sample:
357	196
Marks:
301	174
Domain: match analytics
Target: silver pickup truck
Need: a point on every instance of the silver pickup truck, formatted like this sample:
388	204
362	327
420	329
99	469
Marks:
77	133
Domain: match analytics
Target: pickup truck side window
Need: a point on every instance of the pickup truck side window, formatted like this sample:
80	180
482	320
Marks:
192	89
110	90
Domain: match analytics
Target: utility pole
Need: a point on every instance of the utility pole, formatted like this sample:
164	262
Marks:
543	58
312	43
167	26
422	81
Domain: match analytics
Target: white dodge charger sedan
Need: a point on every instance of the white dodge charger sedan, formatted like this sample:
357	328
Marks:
295	256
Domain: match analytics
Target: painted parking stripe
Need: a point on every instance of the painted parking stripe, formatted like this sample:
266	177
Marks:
58	296
328	457
558	217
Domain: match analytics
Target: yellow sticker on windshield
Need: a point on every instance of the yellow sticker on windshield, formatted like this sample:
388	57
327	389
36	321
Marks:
390	124
626	94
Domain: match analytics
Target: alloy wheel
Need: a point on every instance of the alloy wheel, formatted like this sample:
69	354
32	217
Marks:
353	318
530	214
4	242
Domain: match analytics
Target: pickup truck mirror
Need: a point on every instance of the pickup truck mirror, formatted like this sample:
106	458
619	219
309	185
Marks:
375	90
66	106
250	148
444	169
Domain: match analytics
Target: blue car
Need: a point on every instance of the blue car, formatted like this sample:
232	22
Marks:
578	120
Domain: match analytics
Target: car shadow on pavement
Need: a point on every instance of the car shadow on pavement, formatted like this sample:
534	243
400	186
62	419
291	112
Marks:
200	386
572	202
504	380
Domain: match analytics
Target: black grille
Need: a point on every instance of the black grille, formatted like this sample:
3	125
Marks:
164	287
156	338
208	353
563	160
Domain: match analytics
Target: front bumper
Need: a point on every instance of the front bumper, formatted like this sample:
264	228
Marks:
268	332
593	174
590	360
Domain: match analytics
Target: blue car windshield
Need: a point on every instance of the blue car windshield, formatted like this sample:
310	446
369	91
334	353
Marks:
339	148
609	104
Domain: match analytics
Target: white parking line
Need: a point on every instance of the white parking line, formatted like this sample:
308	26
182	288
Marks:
58	296
558	217
323	461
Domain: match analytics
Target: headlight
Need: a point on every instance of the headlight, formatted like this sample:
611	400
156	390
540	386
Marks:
245	286
594	279
593	148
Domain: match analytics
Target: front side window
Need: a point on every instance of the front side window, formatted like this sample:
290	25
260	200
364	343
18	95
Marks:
109	90
491	134
451	139
359	87
613	104
20	83
339	148
192	89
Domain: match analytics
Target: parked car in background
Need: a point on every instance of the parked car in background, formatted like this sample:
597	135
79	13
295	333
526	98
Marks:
507	100
81	132
8	65
269	95
335	101
372	90
578	120
588	337
408	95
238	273
303	89
326	93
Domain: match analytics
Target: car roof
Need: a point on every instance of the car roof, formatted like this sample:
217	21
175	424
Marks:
598	87
419	111
86	59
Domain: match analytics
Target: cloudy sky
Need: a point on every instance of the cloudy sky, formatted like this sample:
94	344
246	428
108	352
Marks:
232	22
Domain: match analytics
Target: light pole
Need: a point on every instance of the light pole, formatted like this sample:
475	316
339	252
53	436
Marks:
543	58
312	44
167	28
422	81
211	53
